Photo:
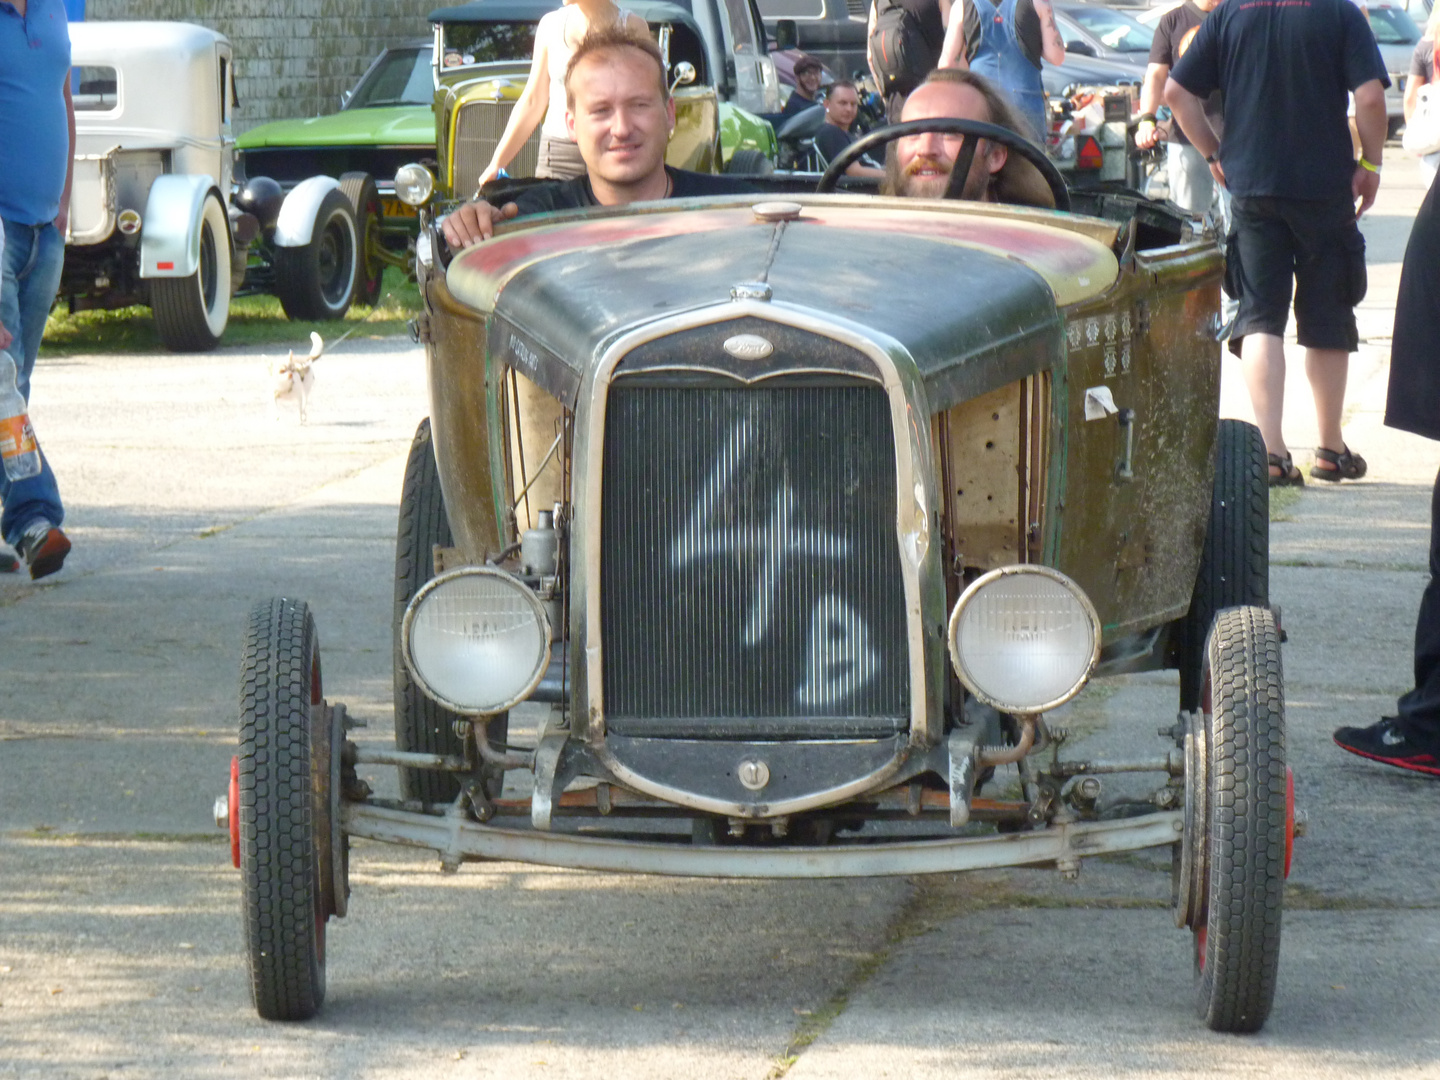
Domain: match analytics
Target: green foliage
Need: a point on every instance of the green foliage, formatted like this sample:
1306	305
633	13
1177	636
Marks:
254	320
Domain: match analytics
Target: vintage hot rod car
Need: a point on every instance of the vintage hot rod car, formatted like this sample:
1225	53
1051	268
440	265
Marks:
155	217
800	516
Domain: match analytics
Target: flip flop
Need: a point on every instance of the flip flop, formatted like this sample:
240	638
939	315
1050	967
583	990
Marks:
1289	475
1348	466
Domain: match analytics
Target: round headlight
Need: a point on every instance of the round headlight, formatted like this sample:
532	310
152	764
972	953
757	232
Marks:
414	184
476	640
1024	638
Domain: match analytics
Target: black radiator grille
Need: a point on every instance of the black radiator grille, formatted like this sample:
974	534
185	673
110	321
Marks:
750	575
477	131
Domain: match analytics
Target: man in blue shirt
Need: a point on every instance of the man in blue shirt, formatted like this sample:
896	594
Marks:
1285	68
37	152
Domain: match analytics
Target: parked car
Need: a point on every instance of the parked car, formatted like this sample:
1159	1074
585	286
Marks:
796	514
386	121
1397	35
717	58
1103	32
152	217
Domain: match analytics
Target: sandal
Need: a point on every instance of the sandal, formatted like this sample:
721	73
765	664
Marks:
1288	476
1348	466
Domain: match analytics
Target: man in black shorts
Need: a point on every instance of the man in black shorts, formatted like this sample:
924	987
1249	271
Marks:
619	110
1284	68
842	105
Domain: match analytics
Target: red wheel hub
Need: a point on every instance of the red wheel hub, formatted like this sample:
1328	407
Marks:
1289	817
235	811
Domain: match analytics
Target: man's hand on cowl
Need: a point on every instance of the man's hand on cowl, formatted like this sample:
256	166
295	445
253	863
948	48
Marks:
1364	187
473	222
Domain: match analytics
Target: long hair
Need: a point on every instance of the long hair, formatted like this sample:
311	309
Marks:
1018	182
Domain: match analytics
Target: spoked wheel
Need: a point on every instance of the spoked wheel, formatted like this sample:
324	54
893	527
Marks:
291	852
1230	866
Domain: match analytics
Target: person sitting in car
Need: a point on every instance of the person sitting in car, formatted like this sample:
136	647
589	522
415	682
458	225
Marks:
619	111
842	105
919	165
808	72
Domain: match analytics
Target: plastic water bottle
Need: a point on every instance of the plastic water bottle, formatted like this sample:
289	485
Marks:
18	448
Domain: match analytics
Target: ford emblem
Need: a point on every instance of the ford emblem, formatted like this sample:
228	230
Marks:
748	347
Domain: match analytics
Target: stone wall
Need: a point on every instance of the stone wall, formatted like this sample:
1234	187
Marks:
293	58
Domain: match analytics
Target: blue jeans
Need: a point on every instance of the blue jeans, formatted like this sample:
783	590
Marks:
34	257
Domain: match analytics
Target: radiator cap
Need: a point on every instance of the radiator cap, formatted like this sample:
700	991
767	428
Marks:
750	290
777	211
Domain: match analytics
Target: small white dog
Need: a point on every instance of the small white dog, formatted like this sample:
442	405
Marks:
296	377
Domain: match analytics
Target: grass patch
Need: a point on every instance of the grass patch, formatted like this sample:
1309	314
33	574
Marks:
254	320
1282	501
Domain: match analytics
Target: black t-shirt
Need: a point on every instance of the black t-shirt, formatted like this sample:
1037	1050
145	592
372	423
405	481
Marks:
1173	34
577	193
830	140
1286	68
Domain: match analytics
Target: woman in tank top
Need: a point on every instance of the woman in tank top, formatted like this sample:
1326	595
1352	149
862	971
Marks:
556	37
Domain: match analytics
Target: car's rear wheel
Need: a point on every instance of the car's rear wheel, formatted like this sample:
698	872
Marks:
1235	560
364	198
317	280
420	724
191	312
1242	825
286	752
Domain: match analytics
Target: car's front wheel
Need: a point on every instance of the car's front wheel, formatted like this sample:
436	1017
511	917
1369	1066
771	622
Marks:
1243	822
284	801
191	312
364	198
317	280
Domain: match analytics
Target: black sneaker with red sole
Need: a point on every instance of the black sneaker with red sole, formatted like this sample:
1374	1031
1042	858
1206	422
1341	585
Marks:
1388	743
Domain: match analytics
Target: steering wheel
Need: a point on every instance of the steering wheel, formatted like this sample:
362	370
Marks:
973	131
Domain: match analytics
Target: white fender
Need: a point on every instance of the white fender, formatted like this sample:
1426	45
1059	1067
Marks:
170	230
296	223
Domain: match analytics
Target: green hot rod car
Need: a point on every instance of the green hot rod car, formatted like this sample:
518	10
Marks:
795	519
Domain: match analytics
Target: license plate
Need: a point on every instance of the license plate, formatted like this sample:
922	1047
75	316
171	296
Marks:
396	208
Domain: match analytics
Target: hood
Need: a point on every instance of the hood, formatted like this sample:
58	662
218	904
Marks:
953	287
398	125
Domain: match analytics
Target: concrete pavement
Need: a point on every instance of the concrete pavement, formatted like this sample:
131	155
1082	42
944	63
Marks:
119	931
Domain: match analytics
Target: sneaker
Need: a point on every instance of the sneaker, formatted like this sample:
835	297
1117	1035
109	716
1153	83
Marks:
43	547
1387	743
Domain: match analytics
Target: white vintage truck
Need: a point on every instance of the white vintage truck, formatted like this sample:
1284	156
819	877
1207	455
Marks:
157	216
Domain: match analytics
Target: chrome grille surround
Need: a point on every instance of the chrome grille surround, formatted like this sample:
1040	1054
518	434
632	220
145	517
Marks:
478	126
924	600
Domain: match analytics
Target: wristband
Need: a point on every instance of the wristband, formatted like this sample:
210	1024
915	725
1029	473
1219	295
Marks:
1369	166
1145	118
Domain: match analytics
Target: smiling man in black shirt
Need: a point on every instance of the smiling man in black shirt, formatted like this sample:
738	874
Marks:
621	115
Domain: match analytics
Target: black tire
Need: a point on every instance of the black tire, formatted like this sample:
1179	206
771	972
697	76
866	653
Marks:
1237	939
364	198
420	724
191	312
317	281
750	163
281	887
1235	560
